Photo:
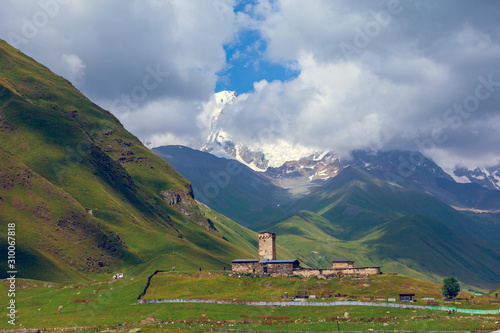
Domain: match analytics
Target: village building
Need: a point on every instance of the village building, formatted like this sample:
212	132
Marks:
407	297
342	263
268	265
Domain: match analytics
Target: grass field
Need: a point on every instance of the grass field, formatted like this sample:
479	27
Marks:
222	286
112	304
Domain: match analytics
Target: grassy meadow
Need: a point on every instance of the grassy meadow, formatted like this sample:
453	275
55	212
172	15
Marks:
112	304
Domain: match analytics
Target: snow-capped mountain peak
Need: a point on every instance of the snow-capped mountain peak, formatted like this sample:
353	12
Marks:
222	99
256	155
225	97
216	134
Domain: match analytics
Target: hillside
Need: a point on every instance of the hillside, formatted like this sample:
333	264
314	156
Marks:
227	185
437	249
222	287
86	196
424	175
358	214
50	221
240	236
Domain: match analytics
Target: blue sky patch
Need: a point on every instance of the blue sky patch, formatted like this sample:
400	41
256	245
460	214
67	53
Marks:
246	64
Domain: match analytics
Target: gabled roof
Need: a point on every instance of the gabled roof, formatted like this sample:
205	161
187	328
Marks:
265	261
242	261
342	260
287	261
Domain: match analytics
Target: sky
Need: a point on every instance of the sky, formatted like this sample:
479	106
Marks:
330	75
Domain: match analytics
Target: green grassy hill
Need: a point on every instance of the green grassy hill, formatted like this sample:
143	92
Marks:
107	305
437	249
219	286
53	229
359	201
240	236
86	196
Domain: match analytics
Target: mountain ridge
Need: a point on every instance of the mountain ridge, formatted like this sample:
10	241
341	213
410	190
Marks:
278	158
350	214
87	197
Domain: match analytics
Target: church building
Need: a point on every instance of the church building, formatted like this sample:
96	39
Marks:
268	265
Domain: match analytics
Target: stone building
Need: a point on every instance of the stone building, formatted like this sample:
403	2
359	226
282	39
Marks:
267	246
245	266
278	267
268	265
342	263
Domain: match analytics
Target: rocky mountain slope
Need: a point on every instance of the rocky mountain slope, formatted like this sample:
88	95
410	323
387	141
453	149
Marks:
227	185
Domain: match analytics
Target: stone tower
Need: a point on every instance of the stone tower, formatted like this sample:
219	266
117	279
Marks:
267	246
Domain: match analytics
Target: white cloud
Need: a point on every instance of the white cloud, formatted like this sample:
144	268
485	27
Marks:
74	68
393	90
114	44
337	105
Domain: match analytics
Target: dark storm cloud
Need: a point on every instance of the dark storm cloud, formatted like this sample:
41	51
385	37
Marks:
377	73
129	56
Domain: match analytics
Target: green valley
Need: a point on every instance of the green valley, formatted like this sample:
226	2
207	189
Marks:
88	200
358	216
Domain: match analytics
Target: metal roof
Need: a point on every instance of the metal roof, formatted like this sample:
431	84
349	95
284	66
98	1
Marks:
288	261
265	261
342	260
236	261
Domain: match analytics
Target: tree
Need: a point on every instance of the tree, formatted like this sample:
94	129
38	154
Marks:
451	287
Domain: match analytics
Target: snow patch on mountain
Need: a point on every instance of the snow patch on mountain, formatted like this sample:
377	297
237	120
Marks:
280	152
486	177
458	179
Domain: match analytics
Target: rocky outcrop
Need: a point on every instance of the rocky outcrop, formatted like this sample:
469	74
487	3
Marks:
184	202
178	197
